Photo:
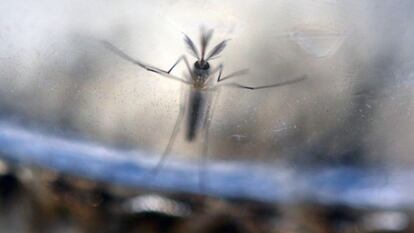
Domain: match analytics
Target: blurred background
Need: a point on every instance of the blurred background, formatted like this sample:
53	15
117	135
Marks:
353	109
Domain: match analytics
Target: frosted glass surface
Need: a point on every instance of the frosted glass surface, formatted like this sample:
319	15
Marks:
354	107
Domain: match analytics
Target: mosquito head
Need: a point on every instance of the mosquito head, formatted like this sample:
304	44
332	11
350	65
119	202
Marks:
201	65
201	70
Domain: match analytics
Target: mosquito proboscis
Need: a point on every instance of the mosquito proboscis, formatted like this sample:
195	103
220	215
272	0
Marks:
200	82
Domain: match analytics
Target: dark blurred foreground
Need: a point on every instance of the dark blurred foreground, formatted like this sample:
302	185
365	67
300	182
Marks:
34	200
56	184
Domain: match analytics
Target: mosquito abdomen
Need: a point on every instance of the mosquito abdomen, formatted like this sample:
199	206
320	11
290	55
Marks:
196	113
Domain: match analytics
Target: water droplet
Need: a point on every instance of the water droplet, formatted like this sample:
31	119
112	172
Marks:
317	41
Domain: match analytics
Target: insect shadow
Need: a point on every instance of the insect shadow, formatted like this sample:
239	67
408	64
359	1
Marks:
201	82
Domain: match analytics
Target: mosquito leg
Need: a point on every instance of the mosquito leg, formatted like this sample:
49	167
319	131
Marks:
220	70
237	85
234	74
170	142
154	69
204	153
182	58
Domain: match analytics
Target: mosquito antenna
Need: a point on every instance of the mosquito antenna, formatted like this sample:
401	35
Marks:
216	50
205	39
191	46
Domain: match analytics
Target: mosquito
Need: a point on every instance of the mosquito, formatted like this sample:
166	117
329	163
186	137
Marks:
201	81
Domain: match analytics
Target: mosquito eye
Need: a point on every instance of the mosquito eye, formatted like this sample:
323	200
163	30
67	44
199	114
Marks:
202	66
205	66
